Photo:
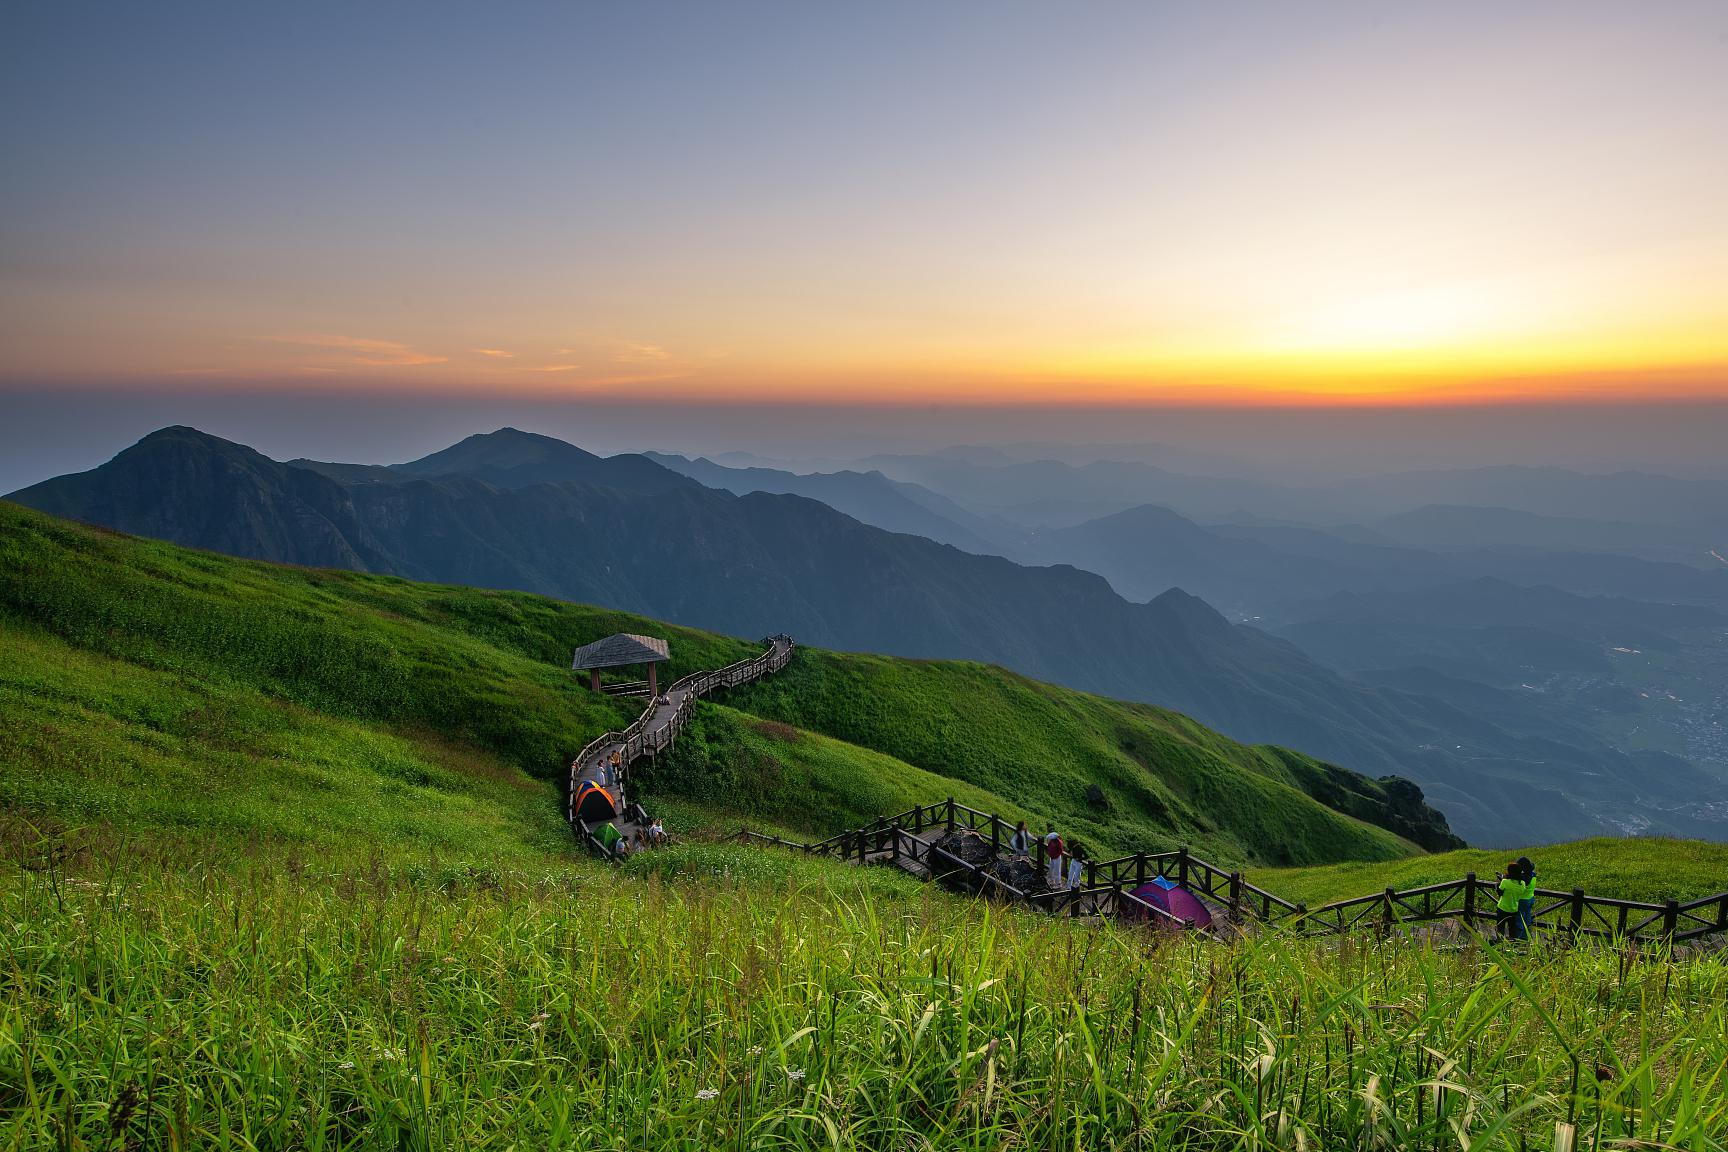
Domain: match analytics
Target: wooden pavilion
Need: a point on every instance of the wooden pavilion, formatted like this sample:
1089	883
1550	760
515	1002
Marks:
620	651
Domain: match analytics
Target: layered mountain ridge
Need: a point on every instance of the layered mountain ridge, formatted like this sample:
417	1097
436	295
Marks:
516	511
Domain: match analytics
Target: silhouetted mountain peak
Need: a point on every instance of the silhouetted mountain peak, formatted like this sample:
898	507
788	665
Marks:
511	458
1190	611
507	448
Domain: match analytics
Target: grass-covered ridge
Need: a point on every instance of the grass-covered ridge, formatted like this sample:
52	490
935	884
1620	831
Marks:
797	1005
153	687
1167	780
1644	868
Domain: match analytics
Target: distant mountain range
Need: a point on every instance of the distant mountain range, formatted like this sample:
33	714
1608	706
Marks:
895	505
515	510
1250	566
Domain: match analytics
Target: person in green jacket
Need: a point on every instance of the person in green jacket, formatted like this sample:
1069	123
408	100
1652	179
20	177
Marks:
609	837
1527	906
1514	889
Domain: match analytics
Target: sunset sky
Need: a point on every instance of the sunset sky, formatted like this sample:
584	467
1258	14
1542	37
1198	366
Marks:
976	203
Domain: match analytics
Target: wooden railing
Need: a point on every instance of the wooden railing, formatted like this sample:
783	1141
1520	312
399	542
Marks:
1571	914
636	741
1108	886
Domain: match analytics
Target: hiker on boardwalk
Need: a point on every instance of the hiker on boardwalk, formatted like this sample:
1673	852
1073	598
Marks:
1076	867
611	839
1020	844
1514	890
1527	906
656	832
1054	876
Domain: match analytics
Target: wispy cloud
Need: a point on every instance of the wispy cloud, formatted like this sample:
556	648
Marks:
551	368
641	354
359	351
495	353
637	378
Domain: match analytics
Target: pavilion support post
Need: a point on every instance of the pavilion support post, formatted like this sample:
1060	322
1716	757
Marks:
653	681
594	679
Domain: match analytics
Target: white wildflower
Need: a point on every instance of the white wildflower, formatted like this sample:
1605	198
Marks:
795	1073
345	1066
707	1093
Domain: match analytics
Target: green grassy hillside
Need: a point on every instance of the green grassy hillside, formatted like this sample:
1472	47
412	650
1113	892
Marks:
160	689
1653	868
795	1005
1166	779
320	898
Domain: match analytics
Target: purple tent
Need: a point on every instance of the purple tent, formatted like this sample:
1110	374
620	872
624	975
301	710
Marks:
1161	892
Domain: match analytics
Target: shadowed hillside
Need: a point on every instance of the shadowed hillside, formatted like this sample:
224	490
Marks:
151	686
517	511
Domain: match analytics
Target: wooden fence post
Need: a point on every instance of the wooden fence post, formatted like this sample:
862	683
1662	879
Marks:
1139	869
950	814
1182	866
1469	899
1670	920
1576	915
1391	906
1235	891
995	837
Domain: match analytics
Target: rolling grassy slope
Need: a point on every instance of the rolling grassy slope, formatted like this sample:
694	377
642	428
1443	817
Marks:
152	686
1650	868
1167	779
774	1002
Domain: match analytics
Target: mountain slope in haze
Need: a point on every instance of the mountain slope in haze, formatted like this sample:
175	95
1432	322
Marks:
869	497
1263	570
1627	496
760	563
155	687
1051	494
1453	527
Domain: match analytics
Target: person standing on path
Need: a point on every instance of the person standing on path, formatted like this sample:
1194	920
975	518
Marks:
1527	905
1020	844
1513	890
1054	875
1076	867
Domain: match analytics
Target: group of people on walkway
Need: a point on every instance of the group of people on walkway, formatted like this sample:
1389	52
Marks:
1064	864
1515	911
617	844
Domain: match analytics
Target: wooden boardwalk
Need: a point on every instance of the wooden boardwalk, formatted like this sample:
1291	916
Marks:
911	841
658	727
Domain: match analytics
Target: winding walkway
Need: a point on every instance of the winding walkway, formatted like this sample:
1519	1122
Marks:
658	727
958	846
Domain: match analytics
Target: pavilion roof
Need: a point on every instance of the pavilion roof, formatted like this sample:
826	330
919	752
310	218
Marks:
624	648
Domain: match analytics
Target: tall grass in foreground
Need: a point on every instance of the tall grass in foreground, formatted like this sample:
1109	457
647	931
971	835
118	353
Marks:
712	997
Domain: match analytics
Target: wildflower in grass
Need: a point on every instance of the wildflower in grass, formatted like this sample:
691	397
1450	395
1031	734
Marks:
707	1093
345	1066
794	1073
